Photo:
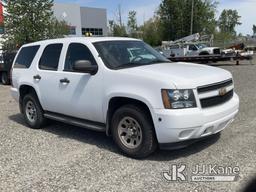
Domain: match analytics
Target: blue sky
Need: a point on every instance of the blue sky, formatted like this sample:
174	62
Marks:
146	8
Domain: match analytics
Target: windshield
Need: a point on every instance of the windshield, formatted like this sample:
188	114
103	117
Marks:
125	54
201	46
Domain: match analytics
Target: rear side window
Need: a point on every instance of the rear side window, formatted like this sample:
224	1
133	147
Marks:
26	56
50	57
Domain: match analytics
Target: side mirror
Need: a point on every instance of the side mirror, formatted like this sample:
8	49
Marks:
85	66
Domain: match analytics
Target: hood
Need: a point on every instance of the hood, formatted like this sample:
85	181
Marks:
182	75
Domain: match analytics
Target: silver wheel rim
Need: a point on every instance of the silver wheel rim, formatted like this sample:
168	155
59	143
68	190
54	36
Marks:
129	132
31	111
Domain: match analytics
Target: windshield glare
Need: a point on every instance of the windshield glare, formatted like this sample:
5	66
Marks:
201	46
124	54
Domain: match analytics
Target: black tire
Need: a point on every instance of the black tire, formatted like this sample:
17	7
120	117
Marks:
204	53
148	142
39	120
5	78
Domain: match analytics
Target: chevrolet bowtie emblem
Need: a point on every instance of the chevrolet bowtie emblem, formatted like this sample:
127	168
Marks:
222	91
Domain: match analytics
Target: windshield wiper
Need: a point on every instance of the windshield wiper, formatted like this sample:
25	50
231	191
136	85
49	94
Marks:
158	61
127	65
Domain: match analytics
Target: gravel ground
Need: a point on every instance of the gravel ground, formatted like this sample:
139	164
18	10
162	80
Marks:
66	158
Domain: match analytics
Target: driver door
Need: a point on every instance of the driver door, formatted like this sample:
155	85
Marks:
81	92
192	50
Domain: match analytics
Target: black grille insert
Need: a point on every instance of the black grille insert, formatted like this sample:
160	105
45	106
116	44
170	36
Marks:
216	51
217	100
215	86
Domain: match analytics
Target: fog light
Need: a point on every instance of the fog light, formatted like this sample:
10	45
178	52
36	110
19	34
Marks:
185	134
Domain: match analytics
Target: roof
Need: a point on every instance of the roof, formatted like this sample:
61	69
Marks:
86	39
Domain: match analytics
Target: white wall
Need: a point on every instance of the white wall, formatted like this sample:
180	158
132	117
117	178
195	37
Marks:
69	13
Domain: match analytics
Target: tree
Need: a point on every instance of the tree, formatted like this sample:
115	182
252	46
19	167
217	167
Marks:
119	31
151	32
117	28
204	16
57	29
254	29
111	27
132	23
228	20
227	23
31	20
175	17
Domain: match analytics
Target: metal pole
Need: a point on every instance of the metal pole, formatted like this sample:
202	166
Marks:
120	15
192	18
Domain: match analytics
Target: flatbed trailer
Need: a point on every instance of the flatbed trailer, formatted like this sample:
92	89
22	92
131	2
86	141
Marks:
211	58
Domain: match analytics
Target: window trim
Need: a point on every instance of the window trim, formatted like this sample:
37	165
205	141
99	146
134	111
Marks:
67	49
62	45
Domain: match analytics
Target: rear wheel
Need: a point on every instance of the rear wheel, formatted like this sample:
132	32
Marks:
32	111
204	53
4	78
133	131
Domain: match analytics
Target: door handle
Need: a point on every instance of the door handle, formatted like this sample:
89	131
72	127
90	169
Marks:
65	81
37	77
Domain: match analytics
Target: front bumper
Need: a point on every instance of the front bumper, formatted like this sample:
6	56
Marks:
15	94
181	125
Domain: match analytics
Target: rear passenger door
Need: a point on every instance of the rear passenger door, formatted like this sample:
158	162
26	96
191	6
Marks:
23	63
47	76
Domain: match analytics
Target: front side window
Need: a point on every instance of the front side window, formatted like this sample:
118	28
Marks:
77	52
192	48
50	57
125	54
26	56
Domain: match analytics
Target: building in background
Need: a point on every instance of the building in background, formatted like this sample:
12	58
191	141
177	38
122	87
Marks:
82	20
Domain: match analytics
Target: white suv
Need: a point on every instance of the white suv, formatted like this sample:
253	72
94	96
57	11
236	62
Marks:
142	100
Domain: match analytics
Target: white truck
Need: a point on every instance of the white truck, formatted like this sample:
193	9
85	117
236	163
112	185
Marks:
189	49
141	99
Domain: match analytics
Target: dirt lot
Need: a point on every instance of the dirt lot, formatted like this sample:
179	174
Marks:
66	158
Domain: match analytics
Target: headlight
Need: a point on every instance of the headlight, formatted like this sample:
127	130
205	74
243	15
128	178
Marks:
178	99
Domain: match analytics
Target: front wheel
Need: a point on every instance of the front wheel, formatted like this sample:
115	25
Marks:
133	131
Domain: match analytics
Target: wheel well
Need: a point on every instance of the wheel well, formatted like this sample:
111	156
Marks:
204	53
24	90
117	102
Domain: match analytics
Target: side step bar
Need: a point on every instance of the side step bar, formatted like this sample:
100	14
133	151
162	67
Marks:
76	122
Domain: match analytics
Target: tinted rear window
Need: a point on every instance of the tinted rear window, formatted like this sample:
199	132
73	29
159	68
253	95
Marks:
26	56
